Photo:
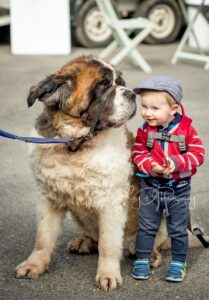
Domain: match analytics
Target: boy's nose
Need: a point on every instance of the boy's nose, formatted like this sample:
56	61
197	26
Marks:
148	112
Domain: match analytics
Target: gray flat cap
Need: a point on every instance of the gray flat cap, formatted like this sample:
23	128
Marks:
161	83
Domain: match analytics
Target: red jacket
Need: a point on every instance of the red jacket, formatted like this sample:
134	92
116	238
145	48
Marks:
186	164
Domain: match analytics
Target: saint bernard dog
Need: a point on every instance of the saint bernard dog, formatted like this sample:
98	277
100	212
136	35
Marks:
93	177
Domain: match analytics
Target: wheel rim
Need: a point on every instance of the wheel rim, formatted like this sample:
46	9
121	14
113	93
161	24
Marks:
164	18
95	26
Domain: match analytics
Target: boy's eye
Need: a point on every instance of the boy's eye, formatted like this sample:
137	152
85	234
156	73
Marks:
155	108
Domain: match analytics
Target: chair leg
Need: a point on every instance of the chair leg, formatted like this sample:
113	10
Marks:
185	14
135	56
129	45
184	39
207	66
139	61
109	49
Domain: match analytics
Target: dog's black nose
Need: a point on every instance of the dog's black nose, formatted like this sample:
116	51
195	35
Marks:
130	94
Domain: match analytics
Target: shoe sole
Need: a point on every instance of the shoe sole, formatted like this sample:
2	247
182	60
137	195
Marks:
175	279
140	277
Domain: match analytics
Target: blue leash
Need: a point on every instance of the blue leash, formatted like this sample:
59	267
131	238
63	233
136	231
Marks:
36	140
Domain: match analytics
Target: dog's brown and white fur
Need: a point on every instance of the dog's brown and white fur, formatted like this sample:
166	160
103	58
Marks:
96	183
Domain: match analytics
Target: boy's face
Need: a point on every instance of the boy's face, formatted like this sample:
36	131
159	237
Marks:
155	109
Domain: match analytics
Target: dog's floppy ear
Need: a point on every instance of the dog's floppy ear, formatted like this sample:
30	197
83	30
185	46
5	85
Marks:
42	88
53	91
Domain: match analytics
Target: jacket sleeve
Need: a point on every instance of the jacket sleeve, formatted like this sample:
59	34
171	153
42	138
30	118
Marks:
194	157
140	155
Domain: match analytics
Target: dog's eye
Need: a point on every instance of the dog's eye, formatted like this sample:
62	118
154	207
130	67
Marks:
101	87
104	84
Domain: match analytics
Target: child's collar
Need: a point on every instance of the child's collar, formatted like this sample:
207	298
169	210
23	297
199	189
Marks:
176	120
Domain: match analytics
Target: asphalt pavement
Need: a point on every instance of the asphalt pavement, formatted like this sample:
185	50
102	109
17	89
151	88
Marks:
72	276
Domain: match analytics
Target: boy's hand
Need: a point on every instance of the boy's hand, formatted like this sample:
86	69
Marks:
170	166
164	170
157	168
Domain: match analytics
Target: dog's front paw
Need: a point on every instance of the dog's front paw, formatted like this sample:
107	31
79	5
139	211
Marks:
108	281
28	270
36	264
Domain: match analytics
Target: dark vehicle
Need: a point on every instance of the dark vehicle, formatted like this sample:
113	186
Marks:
90	30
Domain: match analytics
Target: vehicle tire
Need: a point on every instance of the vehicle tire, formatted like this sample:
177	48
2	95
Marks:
167	16
91	30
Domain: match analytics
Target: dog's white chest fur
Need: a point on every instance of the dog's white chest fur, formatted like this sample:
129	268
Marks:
86	178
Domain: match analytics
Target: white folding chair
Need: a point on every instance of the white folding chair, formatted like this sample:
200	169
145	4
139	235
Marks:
121	29
179	53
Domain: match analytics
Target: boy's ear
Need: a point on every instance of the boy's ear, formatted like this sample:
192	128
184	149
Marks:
174	109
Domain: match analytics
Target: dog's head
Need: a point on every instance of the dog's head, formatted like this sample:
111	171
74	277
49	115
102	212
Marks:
77	90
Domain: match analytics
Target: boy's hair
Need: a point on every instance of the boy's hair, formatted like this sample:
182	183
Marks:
170	100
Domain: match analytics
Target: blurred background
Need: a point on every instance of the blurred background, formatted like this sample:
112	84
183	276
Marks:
87	27
90	30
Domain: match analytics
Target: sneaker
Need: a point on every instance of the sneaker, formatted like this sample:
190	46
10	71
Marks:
141	269
176	271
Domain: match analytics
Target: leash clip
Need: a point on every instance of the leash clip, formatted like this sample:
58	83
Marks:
28	140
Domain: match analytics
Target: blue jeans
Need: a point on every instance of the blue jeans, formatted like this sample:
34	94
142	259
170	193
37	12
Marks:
152	202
